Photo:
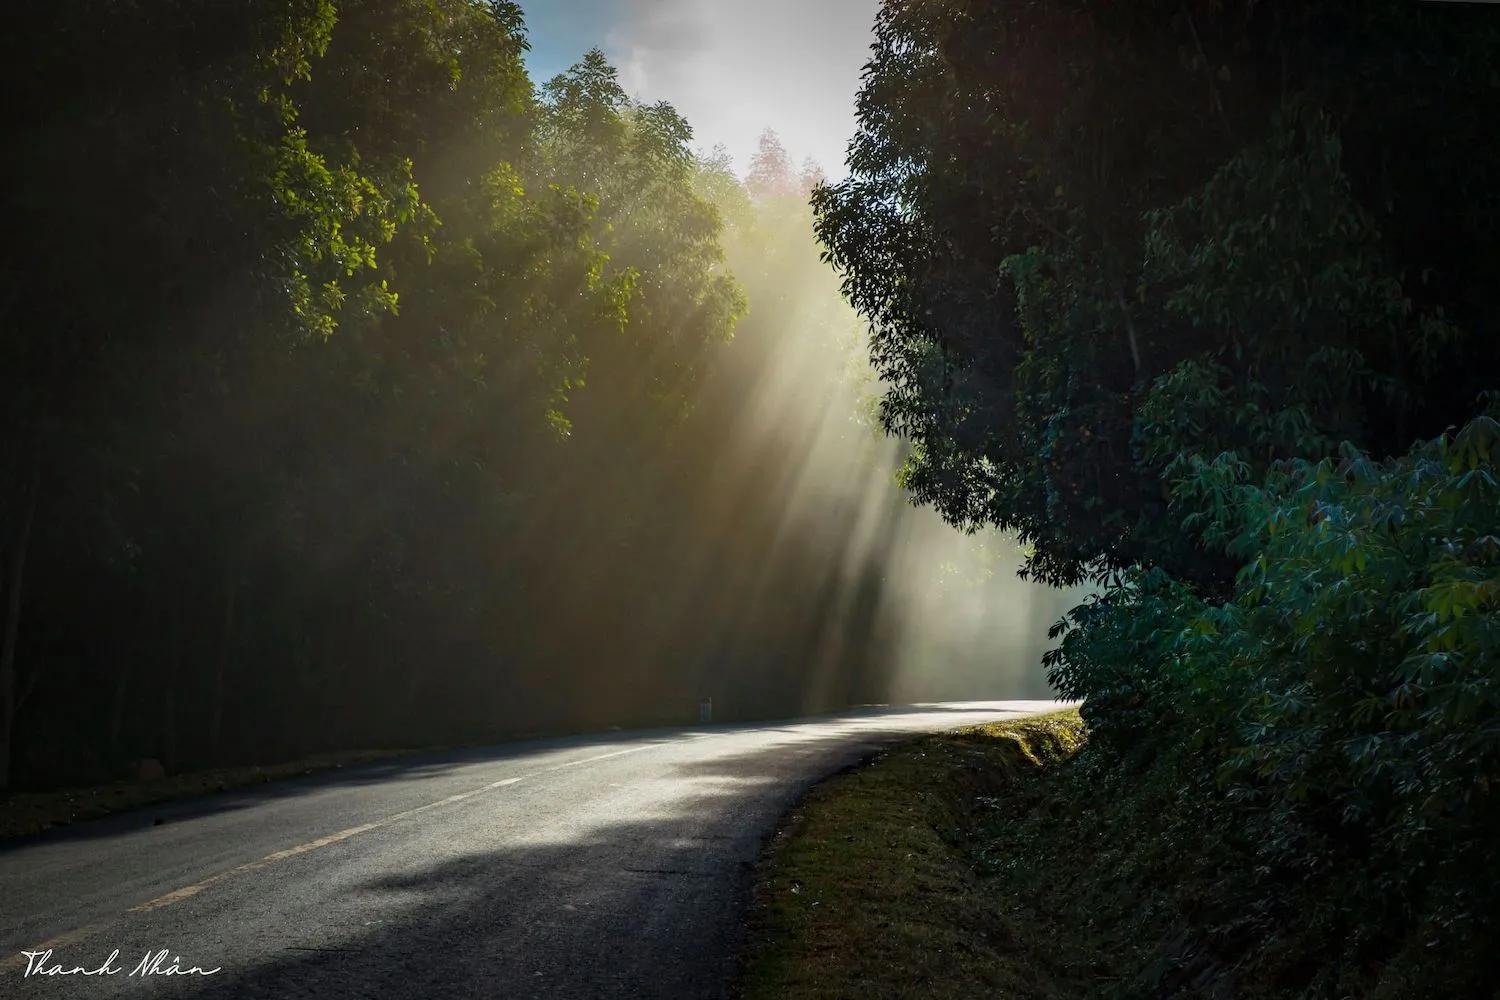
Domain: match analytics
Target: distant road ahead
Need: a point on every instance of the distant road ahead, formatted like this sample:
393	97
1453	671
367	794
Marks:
587	867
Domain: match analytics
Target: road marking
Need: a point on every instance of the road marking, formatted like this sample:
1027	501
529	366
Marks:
602	756
177	895
19	960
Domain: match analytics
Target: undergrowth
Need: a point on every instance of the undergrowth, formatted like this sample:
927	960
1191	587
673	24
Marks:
1021	861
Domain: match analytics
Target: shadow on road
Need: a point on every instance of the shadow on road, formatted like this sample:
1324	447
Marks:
642	895
417	768
414	768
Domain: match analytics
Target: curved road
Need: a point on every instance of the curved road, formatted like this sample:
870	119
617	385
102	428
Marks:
586	867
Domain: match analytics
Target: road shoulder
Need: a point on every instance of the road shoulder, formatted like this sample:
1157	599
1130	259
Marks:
876	886
25	814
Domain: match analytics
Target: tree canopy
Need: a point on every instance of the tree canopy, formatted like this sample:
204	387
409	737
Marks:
1086	238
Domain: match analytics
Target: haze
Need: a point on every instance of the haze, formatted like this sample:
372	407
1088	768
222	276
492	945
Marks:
733	69
440	391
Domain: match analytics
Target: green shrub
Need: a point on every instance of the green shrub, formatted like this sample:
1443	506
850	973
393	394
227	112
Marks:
1346	697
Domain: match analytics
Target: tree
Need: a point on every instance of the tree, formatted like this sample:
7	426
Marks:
811	178
997	216
1164	287
770	174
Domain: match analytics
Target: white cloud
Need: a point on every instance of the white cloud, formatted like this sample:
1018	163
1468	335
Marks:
735	67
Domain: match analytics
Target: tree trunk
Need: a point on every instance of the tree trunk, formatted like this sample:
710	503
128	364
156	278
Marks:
176	646
16	577
168	749
117	714
1130	336
221	673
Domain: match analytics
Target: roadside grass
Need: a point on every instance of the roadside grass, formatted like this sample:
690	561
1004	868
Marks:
26	813
995	863
876	888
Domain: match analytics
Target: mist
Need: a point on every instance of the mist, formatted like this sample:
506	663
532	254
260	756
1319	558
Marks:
731	68
489	408
920	610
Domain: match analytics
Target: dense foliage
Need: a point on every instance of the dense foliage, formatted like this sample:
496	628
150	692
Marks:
1057	211
1170	289
1344	701
356	391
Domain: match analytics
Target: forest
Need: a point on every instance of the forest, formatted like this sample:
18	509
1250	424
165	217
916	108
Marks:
360	391
1197	298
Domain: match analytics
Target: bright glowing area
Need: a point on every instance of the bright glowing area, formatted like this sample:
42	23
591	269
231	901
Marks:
732	68
457	372
800	567
905	607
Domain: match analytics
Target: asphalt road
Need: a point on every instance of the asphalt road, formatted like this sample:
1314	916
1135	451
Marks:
588	867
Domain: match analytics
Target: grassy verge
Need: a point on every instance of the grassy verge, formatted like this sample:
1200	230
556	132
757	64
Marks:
28	813
994	863
876	888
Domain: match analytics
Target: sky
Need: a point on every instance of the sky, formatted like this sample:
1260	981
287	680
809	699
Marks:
732	67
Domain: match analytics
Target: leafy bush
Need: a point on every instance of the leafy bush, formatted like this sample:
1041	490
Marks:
1346	697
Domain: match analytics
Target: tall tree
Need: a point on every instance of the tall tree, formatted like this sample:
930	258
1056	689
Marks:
810	178
996	226
771	174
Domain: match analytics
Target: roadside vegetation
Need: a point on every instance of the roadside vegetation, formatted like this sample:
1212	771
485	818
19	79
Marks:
1196	298
872	889
1002	861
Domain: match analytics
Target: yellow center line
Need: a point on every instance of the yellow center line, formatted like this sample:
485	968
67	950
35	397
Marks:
188	891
